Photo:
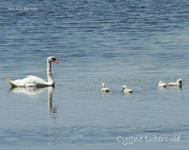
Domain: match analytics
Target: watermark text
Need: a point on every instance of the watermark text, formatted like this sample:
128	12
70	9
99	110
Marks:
22	8
128	140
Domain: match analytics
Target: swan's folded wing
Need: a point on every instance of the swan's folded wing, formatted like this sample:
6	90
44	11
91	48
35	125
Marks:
29	81
32	81
14	83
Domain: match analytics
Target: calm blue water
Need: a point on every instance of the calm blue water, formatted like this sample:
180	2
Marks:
133	42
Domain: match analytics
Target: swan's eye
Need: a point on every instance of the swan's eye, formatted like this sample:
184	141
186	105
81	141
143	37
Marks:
53	58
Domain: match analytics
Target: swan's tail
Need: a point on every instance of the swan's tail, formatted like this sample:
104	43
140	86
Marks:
11	82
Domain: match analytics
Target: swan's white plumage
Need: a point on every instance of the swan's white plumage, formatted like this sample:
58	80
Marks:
104	90
162	84
29	81
33	81
126	90
177	83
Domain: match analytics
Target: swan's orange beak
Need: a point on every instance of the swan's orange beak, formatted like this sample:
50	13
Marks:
55	61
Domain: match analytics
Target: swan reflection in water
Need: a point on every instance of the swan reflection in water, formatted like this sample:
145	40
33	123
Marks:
33	91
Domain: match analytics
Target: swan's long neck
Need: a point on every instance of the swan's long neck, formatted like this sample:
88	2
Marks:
49	74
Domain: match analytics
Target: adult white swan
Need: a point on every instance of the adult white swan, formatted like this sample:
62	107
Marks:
33	81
